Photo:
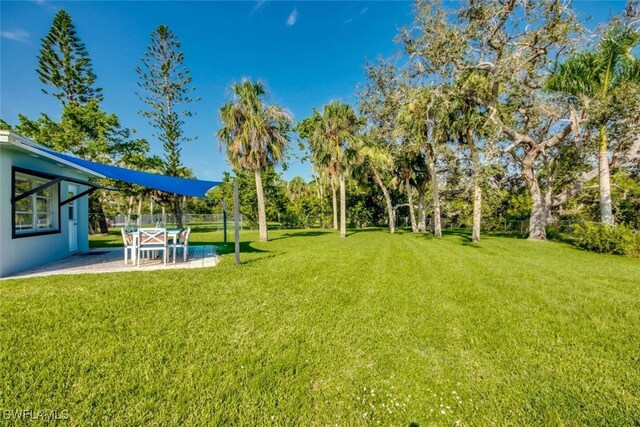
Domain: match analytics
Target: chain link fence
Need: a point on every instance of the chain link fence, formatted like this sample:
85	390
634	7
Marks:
147	220
516	226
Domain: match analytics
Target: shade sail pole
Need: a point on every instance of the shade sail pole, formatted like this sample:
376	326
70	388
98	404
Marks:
236	214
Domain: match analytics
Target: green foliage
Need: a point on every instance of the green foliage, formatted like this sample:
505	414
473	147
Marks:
166	88
595	75
86	131
306	207
4	125
64	64
274	188
333	137
255	135
626	194
366	204
607	239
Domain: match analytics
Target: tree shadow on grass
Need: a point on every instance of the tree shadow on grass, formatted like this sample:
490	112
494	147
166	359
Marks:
261	258
230	247
311	233
352	231
463	235
111	240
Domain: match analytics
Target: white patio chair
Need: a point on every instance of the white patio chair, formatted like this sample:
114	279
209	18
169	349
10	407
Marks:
129	241
183	242
152	240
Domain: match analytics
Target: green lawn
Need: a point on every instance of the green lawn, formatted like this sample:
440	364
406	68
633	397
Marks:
317	330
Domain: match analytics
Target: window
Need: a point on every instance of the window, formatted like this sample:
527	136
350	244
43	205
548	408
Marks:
36	213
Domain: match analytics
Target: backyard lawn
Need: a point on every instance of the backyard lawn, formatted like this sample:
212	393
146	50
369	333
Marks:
317	330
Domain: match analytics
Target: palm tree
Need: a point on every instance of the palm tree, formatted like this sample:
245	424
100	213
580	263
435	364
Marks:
405	162
321	159
333	136
377	157
594	78
255	136
296	188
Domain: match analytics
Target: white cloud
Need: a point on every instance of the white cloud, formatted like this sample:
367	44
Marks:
293	17
18	35
45	4
259	4
354	18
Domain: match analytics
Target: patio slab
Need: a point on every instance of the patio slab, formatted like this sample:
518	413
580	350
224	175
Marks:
111	260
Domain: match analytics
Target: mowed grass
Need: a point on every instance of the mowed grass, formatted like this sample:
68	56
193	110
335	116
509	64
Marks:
374	329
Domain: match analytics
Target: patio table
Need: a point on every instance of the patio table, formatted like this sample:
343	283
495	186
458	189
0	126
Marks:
172	233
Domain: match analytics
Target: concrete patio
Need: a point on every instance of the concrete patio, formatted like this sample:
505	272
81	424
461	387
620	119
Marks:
111	260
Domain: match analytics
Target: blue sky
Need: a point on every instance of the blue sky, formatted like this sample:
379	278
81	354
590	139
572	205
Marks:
307	53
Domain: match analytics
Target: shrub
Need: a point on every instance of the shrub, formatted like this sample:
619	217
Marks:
618	240
290	220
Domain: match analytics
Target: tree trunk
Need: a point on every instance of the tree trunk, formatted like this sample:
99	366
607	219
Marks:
139	219
387	198
477	190
538	218
343	206
412	214
422	217
176	201
129	210
334	205
97	219
477	211
262	215
151	207
183	206
437	223
606	212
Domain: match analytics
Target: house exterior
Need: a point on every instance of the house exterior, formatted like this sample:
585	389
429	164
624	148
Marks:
44	208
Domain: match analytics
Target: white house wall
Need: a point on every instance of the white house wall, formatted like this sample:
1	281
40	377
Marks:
27	252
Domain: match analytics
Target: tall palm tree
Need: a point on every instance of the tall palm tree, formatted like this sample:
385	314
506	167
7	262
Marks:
333	136
594	78
321	160
255	136
377	158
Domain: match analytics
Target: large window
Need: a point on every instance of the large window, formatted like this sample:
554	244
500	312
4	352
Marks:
38	212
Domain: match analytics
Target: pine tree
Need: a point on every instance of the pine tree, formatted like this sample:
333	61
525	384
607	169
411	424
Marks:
64	64
166	86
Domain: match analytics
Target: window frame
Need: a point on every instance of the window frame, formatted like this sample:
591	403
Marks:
16	234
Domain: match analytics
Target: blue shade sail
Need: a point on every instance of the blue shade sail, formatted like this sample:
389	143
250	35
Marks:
170	184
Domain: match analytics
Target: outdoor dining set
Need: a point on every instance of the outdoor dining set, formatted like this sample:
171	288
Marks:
153	242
